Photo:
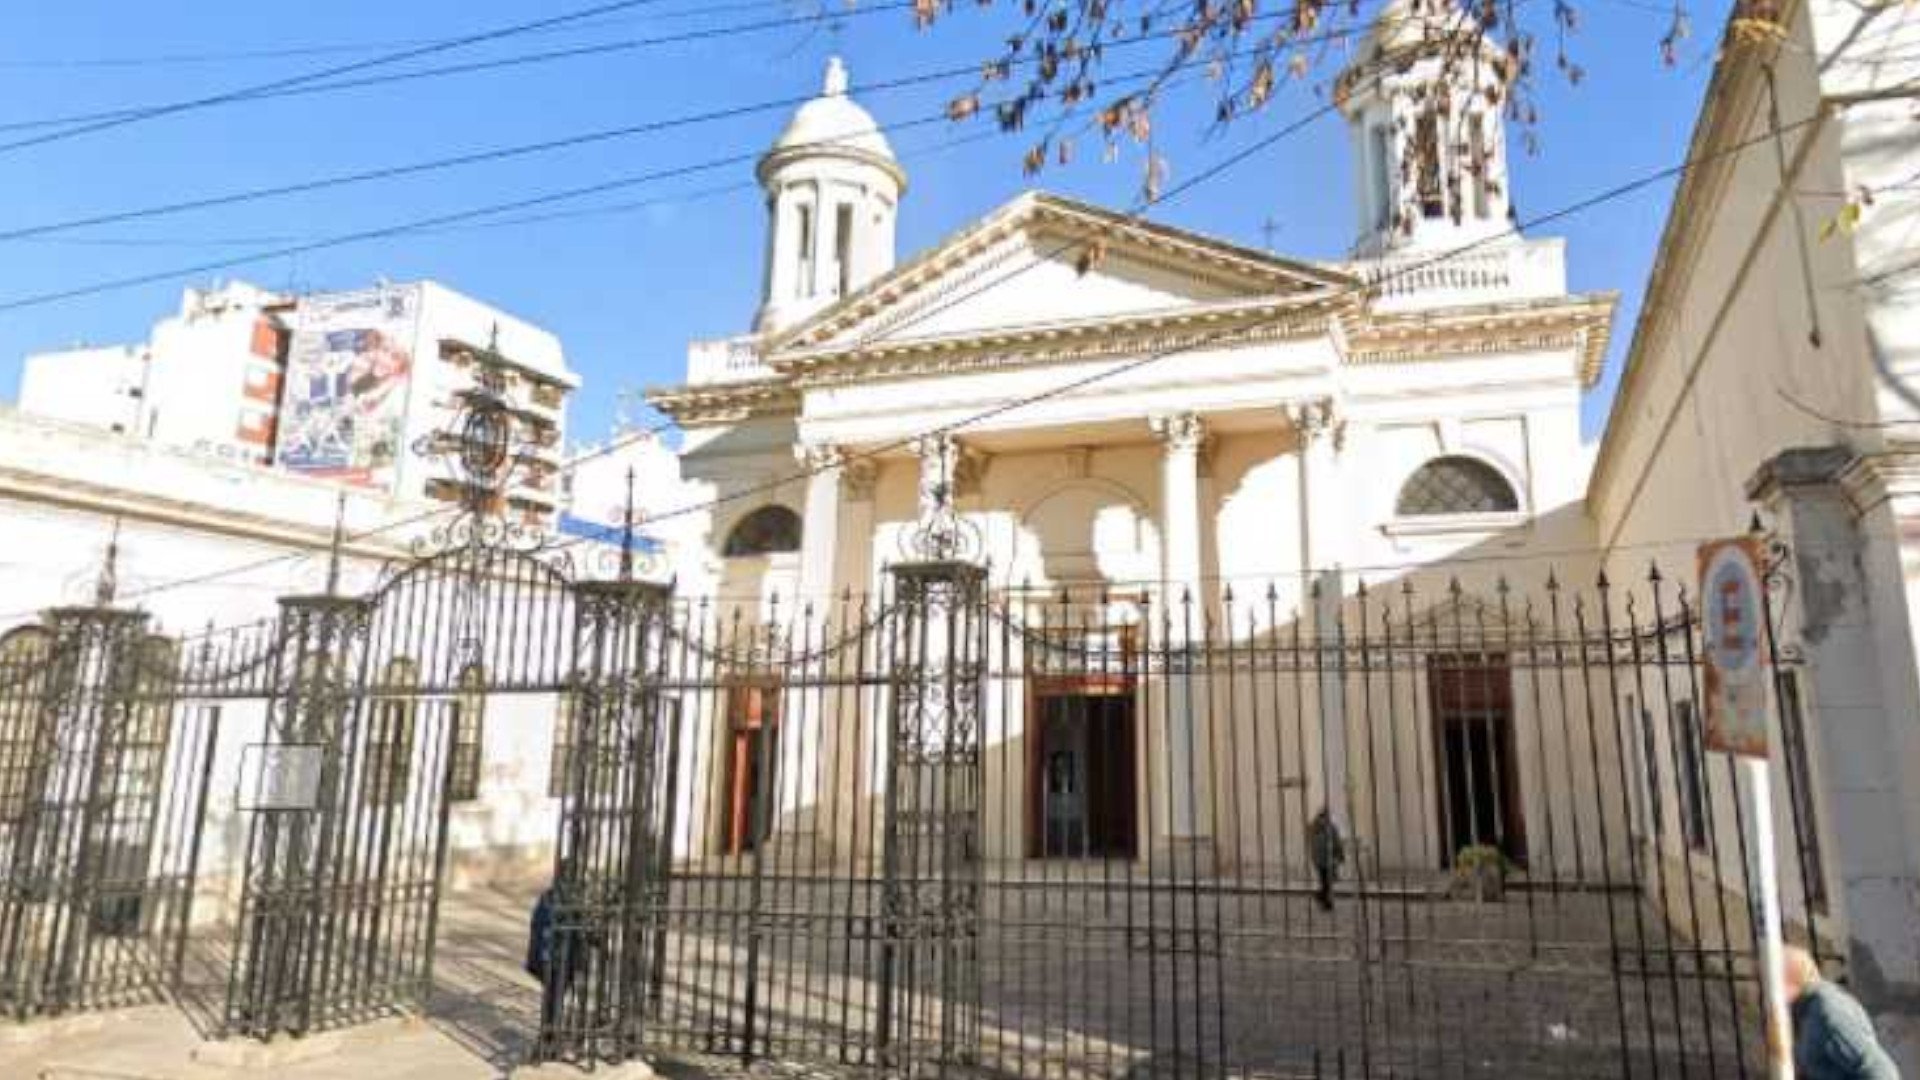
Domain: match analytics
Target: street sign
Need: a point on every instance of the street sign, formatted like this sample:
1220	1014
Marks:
280	776
1732	625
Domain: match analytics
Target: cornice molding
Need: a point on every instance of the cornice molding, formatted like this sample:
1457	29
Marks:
1237	326
1363	337
40	489
1582	323
705	405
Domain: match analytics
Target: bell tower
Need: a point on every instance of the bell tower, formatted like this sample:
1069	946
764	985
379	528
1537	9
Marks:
833	190
1429	145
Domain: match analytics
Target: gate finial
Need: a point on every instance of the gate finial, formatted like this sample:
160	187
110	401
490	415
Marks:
108	584
626	533
336	544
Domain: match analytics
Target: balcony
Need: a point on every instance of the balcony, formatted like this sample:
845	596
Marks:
735	359
1496	272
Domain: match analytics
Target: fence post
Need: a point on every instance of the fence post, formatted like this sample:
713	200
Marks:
281	935
1847	618
613	852
933	874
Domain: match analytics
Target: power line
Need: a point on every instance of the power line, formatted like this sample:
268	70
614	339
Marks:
625	206
190	104
499	153
324	49
615	445
494	64
452	217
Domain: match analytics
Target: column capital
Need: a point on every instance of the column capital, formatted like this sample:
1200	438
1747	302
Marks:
1315	420
859	476
1181	431
819	457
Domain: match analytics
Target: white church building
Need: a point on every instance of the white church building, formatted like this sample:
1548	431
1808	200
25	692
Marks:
1227	414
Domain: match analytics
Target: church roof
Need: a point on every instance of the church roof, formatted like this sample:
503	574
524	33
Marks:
1084	227
1150	288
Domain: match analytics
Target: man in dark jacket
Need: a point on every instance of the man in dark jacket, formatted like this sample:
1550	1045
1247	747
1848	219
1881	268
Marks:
1327	850
1833	1038
540	936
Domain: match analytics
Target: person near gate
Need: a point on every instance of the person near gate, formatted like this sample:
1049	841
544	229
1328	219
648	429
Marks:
1327	850
551	952
1833	1038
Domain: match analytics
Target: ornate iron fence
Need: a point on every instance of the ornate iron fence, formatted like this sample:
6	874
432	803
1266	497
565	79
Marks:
1085	834
1435	830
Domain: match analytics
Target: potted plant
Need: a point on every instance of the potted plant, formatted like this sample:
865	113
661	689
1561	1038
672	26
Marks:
1480	873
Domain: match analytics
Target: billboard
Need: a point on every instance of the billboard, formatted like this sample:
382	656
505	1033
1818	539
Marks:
343	411
1731	625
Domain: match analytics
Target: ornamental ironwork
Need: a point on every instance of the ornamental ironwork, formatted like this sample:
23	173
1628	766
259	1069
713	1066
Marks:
488	445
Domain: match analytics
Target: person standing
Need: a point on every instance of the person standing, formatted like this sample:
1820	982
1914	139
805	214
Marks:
1833	1037
1328	852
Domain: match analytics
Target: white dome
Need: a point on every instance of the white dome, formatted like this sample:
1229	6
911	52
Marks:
833	123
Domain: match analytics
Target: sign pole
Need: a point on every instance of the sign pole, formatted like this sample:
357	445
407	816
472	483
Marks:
1732	622
1773	961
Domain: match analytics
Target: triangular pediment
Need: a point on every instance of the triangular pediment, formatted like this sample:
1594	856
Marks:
1042	260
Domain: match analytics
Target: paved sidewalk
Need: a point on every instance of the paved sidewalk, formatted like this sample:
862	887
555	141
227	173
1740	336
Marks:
482	1015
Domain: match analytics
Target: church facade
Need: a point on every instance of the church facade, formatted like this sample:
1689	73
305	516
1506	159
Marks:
1163	438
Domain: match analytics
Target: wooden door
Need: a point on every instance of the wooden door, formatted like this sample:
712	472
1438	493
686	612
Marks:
752	754
1477	796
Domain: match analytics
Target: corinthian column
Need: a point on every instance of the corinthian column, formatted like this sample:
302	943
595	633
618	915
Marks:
820	529
1321	588
1186	848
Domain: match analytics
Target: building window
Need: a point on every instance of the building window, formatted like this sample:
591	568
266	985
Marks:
23	668
1477	157
1693	776
843	247
389	746
562	747
806	250
766	531
1426	165
1456	485
1650	773
469	727
1382	176
1806	825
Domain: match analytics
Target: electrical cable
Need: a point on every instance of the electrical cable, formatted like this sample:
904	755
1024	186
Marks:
190	104
542	146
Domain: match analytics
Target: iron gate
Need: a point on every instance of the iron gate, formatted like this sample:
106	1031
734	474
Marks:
365	752
108	737
1080	835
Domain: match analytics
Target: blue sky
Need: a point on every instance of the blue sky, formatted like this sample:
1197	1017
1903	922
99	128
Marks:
626	285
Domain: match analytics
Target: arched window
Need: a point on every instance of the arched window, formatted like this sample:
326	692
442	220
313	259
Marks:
469	722
389	746
1456	485
23	666
767	530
